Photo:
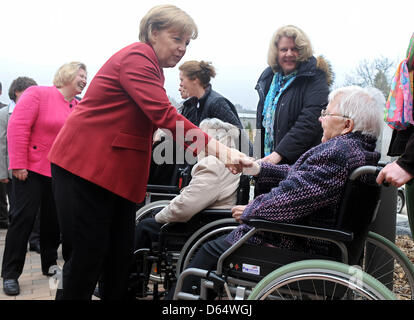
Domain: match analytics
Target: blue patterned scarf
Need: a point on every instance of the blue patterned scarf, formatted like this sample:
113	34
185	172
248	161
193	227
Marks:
279	84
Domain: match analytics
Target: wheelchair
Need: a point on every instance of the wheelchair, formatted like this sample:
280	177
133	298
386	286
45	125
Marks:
156	266
357	264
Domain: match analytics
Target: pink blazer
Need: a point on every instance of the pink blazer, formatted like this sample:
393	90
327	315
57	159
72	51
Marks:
33	126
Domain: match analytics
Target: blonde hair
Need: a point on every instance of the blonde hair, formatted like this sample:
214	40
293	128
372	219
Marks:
202	71
164	17
301	40
67	73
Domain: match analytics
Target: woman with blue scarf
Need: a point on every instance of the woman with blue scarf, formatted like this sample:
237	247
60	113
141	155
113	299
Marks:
292	90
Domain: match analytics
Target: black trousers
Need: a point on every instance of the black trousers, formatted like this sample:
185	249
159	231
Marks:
4	212
146	232
97	237
30	197
34	237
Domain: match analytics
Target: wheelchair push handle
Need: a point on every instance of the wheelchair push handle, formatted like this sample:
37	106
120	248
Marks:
374	170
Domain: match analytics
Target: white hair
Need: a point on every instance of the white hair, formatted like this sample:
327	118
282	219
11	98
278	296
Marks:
224	132
363	105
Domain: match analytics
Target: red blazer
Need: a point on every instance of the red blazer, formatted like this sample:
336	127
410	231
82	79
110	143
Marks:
107	139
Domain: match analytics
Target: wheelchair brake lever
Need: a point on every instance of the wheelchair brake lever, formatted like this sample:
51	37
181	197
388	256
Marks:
226	288
218	283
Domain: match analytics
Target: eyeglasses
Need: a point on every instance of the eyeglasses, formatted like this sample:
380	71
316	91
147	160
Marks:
325	113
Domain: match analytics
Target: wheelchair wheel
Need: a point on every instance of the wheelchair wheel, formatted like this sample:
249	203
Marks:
387	263
150	210
319	280
207	233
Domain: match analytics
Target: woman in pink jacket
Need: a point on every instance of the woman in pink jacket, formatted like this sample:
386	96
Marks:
38	117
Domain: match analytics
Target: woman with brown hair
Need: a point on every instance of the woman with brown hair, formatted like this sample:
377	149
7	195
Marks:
195	79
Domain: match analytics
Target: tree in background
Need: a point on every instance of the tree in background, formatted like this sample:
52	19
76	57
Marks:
249	130
376	73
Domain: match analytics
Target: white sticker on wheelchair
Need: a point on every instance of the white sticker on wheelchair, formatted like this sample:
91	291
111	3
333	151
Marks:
248	268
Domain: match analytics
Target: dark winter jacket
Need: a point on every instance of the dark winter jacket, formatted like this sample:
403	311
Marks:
189	109
214	105
296	127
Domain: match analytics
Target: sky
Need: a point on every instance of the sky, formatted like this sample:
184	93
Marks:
39	36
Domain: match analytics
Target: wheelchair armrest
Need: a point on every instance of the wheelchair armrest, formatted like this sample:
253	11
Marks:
196	222
210	214
162	188
301	230
217	212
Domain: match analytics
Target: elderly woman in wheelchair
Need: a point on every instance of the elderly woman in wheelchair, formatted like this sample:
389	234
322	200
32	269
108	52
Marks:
310	193
212	186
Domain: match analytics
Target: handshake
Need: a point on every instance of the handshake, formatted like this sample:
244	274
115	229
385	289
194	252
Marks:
248	166
234	160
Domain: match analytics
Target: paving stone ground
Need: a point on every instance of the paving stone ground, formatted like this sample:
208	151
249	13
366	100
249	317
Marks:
33	284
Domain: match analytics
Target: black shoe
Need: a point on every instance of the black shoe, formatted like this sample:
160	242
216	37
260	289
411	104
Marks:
11	287
4	225
35	247
54	269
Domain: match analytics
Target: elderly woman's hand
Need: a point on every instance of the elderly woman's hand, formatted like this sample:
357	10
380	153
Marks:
20	174
252	170
237	211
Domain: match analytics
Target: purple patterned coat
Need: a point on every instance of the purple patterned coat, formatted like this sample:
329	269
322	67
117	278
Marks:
309	191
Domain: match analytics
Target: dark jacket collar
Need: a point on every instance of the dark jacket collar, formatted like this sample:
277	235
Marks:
190	102
206	94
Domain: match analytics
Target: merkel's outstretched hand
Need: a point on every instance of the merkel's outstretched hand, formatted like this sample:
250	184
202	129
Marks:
234	160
